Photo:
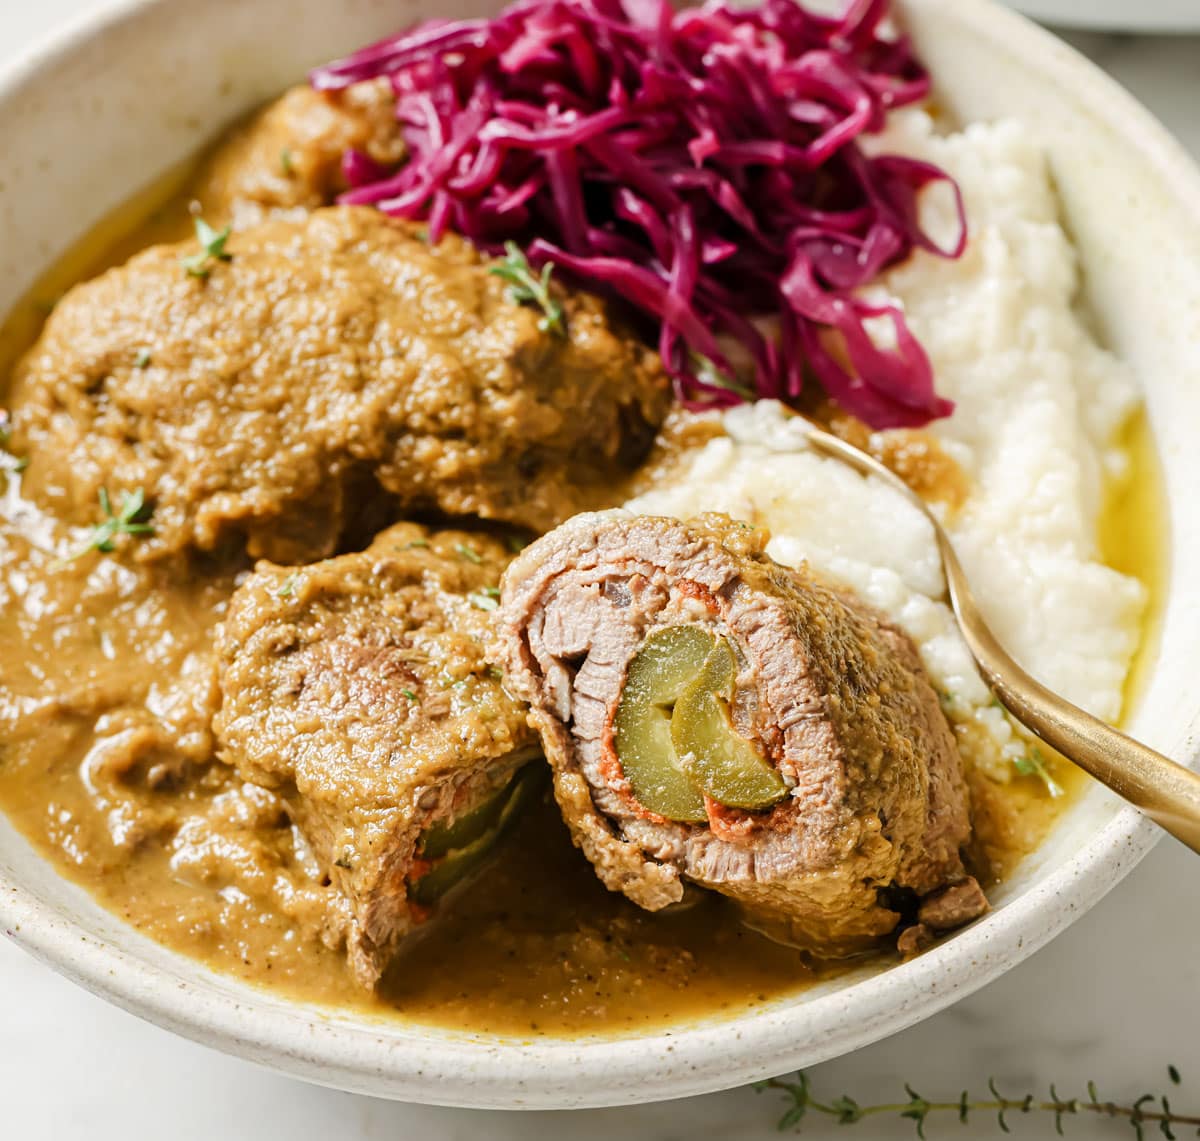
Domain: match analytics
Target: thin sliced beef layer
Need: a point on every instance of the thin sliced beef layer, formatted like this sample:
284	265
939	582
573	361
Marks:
288	156
357	689
266	401
871	797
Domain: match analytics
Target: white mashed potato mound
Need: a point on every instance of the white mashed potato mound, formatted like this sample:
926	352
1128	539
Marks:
1039	408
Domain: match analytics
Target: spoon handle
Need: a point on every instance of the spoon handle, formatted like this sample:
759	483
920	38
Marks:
1165	791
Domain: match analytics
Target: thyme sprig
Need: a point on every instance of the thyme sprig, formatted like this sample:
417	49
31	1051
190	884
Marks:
486	599
1149	1110
527	288
9	463
132	518
212	249
1033	764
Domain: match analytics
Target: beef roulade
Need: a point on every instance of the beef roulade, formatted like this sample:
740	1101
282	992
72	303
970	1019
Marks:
358	689
715	717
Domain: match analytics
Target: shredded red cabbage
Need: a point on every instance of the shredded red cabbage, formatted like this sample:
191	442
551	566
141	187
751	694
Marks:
701	164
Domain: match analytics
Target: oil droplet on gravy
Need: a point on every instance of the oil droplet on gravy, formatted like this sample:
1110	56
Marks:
539	946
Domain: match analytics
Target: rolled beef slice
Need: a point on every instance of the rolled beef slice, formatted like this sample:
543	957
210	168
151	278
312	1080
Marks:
829	693
357	689
336	364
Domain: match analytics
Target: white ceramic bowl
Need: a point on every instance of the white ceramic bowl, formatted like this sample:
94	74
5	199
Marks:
1113	15
122	96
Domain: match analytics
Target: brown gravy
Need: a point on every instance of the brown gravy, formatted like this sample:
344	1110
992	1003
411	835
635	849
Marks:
537	947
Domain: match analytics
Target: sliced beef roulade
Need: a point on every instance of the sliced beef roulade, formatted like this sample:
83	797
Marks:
358	689
715	717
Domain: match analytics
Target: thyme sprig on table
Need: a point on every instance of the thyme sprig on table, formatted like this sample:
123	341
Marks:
1149	1110
527	288
132	518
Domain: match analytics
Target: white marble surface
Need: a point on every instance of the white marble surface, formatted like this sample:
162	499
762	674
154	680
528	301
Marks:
1116	998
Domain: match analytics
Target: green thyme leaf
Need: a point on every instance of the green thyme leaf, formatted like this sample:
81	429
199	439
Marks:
468	553
848	1110
708	373
483	601
409	694
131	519
212	249
288	587
1033	764
142	358
9	463
286	162
528	288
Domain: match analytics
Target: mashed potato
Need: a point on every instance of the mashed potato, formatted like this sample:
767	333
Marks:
1039	408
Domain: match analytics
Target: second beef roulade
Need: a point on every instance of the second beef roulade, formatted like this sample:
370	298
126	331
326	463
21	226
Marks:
716	717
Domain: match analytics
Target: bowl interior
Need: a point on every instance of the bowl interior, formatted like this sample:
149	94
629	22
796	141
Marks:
81	135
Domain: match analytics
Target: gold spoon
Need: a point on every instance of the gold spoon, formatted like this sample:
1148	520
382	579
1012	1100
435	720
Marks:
1166	792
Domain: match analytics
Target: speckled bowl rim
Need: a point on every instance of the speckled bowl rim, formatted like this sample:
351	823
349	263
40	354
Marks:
369	1056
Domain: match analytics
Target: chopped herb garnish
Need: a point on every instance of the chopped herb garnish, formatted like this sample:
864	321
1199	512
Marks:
468	553
495	673
707	373
527	288
286	163
212	243
131	519
483	601
409	694
1033	764
343	862
142	359
9	462
416	543
288	587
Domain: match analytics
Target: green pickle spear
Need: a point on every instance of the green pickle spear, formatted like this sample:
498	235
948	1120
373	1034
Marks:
664	667
726	766
444	836
489	822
